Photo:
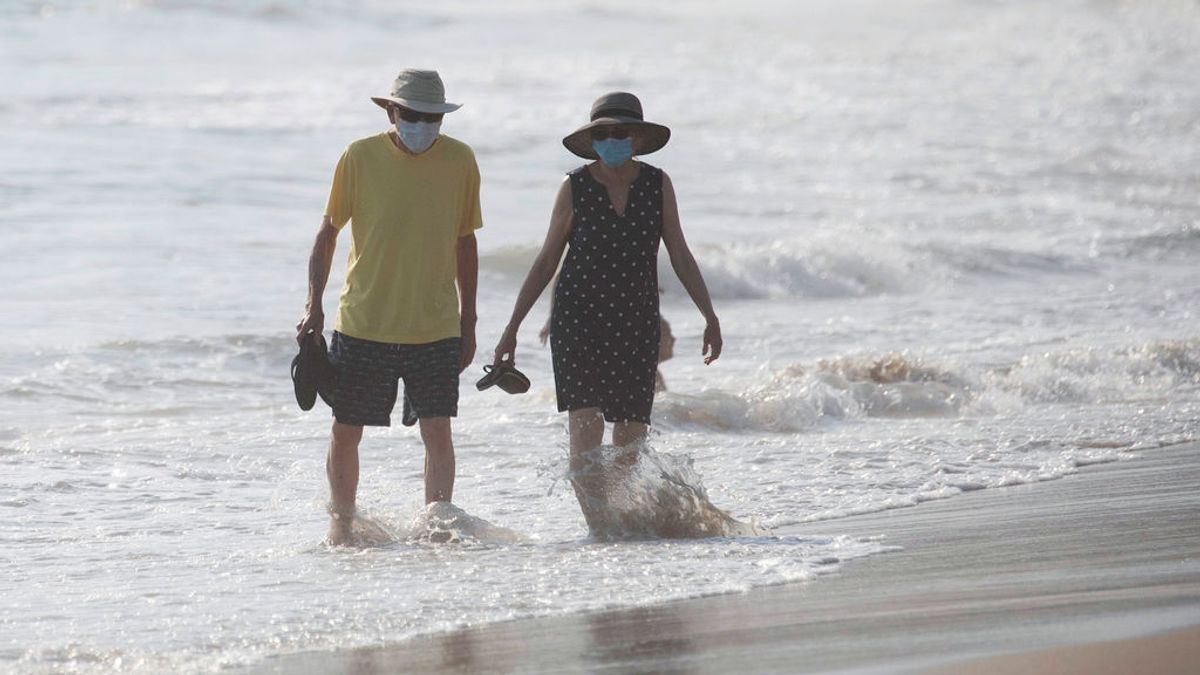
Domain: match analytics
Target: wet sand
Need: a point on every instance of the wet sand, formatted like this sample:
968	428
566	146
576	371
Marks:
1175	652
1104	562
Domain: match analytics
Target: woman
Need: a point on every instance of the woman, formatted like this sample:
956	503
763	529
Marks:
604	337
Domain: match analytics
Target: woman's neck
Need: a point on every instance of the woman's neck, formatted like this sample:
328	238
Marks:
620	174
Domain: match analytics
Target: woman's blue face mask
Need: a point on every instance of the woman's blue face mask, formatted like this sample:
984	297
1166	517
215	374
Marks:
614	151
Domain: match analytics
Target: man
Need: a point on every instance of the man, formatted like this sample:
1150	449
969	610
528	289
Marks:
411	197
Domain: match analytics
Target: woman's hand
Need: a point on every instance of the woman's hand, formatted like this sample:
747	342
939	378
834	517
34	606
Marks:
712	342
507	346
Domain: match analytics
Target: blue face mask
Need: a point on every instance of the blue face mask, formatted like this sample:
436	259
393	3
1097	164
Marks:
614	151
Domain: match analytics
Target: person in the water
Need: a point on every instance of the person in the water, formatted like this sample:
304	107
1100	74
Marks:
411	197
610	216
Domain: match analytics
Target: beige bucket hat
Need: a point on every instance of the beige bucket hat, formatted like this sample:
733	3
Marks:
420	90
613	109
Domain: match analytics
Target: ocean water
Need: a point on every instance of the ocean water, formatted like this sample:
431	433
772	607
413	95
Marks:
953	245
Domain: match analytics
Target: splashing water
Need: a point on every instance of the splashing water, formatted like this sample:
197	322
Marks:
443	522
435	523
633	492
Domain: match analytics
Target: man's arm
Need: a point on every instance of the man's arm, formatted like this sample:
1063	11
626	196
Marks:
467	251
319	263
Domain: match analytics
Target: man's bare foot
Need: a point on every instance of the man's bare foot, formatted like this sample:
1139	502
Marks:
339	530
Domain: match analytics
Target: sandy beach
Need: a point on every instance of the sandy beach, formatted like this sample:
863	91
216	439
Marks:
1006	580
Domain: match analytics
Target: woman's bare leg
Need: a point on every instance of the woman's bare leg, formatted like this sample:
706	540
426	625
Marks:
587	433
626	436
587	430
627	433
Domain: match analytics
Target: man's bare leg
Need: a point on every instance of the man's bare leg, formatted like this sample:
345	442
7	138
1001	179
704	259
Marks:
341	466
439	459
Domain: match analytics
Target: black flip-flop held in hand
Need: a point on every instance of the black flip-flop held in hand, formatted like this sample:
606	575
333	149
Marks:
504	374
312	373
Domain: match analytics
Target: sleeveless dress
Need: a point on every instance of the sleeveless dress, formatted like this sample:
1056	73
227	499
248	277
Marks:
604	327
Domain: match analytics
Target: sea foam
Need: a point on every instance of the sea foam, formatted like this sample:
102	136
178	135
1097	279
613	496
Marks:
797	397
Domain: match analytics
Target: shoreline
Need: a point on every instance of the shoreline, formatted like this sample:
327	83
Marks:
1106	556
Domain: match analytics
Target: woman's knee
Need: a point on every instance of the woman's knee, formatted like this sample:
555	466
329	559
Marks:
587	421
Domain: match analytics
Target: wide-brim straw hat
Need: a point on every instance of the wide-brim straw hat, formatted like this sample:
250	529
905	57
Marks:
624	109
420	90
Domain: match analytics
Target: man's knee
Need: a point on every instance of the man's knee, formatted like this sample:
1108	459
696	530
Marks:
346	435
435	431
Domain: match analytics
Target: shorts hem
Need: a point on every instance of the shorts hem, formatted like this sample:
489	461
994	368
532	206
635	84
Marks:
349	421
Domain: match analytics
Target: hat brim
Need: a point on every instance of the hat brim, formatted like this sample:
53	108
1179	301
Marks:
419	106
650	137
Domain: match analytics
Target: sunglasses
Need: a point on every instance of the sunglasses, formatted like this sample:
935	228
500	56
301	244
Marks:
601	133
414	116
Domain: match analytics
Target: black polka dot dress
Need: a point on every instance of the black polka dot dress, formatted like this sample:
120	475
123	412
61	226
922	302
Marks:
604	327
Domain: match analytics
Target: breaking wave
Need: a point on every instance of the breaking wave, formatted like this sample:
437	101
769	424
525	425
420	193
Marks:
833	266
798	397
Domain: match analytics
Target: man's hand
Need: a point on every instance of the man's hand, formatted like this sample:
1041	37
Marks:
468	346
314	320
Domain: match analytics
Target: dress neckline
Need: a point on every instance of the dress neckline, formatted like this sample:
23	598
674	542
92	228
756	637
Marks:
628	189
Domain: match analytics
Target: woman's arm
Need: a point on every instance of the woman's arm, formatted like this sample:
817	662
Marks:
544	333
543	269
688	271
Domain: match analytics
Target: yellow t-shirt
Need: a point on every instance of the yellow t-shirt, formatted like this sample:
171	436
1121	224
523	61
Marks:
406	213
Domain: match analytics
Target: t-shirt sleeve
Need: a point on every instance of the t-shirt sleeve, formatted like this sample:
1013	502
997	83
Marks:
472	216
339	208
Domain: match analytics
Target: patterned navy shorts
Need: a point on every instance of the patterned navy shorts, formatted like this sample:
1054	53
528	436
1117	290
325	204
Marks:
369	373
